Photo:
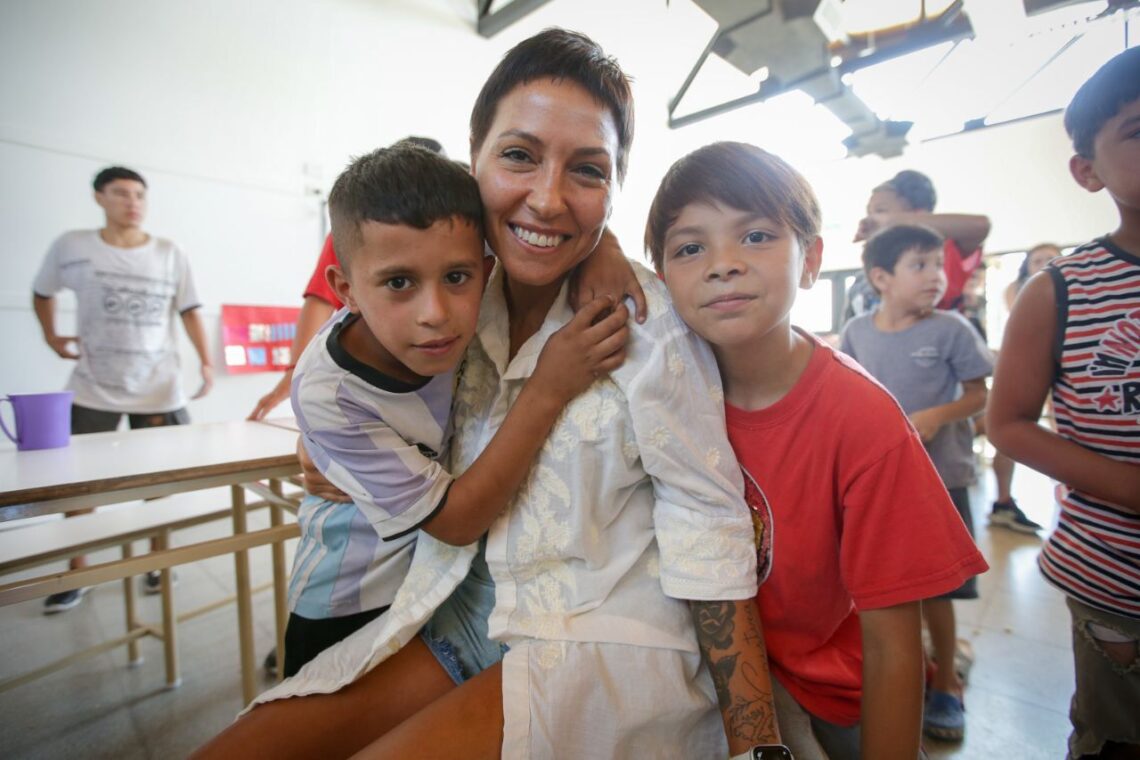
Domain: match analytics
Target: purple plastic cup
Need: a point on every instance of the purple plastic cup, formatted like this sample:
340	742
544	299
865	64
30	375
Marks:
43	420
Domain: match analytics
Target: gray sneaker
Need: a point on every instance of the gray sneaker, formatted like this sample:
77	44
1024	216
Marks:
1006	514
63	601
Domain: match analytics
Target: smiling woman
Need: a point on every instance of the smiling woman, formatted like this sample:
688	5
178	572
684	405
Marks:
573	604
547	196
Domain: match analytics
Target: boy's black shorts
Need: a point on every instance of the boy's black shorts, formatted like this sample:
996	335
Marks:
306	638
86	420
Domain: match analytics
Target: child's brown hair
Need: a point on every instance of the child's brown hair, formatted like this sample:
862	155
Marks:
886	247
738	175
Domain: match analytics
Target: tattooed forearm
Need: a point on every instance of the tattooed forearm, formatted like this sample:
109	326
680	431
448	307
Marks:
715	624
732	644
752	715
722	671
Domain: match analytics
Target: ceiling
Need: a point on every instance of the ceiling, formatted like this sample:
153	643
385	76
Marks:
892	71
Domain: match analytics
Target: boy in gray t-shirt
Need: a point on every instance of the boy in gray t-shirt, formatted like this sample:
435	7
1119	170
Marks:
935	365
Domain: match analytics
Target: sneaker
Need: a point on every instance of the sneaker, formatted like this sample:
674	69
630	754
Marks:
1006	514
944	717
64	600
270	663
152	581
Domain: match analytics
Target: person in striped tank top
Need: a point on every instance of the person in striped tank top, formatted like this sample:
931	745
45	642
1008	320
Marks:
1075	331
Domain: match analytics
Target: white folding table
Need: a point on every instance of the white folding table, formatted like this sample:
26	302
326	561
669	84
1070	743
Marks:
108	468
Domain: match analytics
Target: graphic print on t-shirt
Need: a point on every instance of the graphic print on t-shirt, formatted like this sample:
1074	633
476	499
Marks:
925	357
1117	352
130	335
761	523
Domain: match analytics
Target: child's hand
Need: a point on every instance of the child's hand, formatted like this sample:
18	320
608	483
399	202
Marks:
927	423
881	220
207	381
867	227
314	482
606	272
588	346
61	344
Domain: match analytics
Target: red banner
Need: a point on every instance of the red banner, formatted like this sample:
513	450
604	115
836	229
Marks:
258	338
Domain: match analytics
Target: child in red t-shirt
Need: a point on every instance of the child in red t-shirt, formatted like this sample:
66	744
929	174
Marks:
859	524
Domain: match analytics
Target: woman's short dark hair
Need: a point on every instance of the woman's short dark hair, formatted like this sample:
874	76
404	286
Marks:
404	184
886	247
559	54
913	187
112	173
1114	85
738	175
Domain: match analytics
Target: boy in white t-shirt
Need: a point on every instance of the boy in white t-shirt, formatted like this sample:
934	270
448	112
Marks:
129	286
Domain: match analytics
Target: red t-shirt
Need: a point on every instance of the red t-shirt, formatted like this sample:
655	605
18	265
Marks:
318	286
860	520
958	267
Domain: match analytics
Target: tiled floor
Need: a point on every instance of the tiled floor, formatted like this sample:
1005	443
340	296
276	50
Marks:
1017	700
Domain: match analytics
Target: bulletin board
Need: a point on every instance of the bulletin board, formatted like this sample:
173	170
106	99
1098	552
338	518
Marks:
258	338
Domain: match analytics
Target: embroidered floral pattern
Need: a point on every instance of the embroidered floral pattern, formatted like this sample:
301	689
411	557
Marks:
659	438
696	554
583	524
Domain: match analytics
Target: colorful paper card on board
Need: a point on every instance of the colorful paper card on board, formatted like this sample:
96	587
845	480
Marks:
258	338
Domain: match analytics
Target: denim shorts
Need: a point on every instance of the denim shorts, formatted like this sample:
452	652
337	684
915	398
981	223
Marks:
1107	698
457	632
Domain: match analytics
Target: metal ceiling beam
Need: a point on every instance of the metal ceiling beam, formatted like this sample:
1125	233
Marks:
950	26
490	24
979	122
717	35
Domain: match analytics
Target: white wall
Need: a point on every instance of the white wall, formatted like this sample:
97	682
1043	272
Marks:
235	113
241	114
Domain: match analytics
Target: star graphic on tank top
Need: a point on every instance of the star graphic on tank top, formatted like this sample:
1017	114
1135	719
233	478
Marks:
1109	399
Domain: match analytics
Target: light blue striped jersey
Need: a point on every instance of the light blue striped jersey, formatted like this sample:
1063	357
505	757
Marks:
381	441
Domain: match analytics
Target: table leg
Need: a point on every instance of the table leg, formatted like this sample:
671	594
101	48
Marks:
280	580
244	602
133	657
169	619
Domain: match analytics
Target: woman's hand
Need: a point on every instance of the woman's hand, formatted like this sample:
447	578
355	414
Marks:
607	272
588	346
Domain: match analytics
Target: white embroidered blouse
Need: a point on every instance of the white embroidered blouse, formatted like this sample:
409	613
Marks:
635	493
634	504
